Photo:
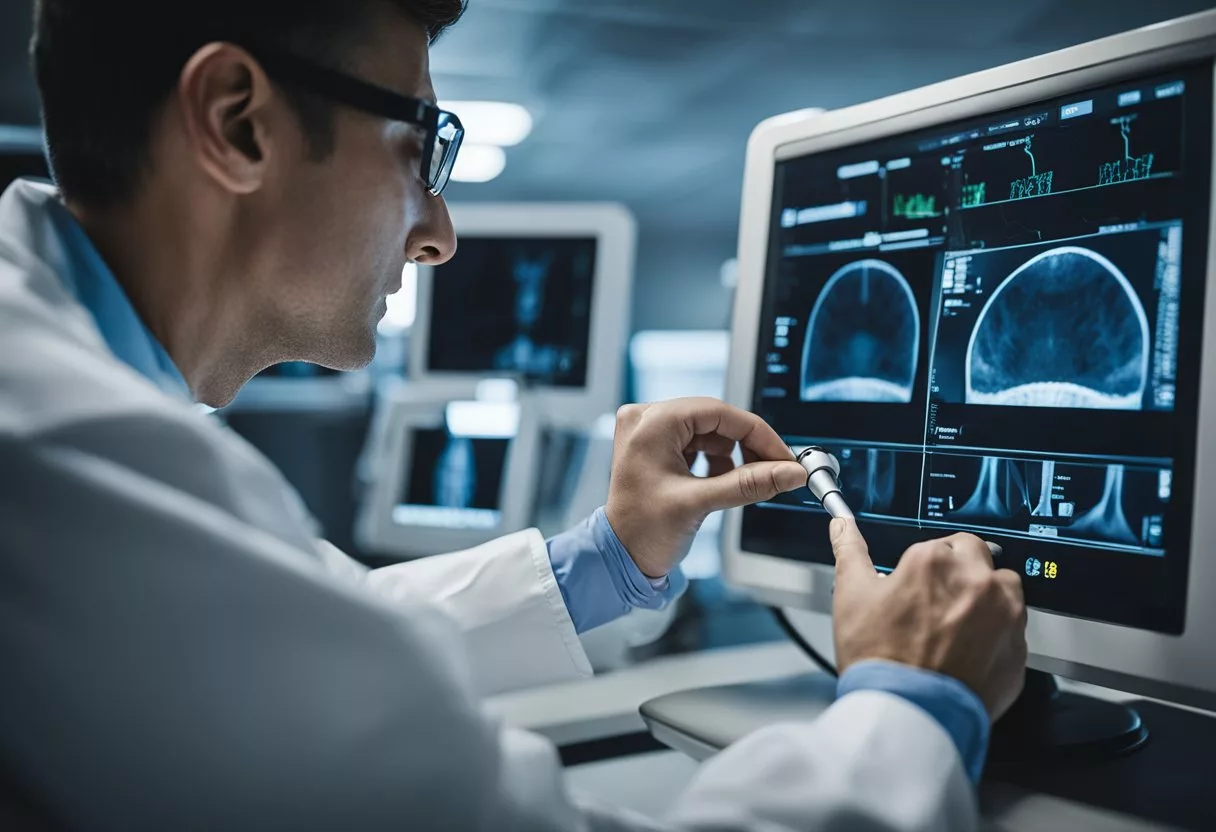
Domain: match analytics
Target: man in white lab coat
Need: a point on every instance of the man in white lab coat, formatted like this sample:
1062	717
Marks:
178	650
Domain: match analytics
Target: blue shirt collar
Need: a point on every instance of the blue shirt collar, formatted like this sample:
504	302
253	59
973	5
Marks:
83	272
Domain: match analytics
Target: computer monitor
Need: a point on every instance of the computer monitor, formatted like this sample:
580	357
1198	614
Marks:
990	297
669	364
21	154
536	292
445	476
301	386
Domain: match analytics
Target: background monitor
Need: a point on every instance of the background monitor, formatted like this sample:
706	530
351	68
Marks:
15	165
300	386
21	154
989	298
539	293
445	476
670	364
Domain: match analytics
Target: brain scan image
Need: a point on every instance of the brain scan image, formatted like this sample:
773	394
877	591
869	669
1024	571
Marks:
863	337
1065	329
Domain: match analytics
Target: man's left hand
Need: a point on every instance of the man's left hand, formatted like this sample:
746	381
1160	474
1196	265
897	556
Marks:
655	503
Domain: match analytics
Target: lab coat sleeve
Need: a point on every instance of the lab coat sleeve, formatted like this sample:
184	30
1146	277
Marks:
871	763
505	599
170	666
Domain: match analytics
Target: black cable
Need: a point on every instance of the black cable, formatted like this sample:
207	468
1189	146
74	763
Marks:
790	630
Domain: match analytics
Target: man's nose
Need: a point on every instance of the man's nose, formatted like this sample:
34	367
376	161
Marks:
432	239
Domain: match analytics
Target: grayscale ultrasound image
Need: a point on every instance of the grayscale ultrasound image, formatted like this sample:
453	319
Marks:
862	337
1111	504
1066	329
1075	326
867	478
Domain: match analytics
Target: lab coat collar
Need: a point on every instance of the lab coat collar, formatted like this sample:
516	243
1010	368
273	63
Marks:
35	220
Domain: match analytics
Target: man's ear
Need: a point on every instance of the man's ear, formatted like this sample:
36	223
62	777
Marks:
224	97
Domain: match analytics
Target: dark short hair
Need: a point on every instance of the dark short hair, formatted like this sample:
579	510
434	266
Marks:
105	68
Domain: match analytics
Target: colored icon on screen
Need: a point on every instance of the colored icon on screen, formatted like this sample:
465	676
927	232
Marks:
1050	570
1033	567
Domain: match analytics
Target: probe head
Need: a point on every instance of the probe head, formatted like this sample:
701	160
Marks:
823	478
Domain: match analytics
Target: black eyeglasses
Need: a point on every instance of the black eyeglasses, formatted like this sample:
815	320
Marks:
444	132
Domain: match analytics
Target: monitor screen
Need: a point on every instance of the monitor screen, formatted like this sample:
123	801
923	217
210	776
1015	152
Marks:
298	369
453	482
996	326
514	306
15	165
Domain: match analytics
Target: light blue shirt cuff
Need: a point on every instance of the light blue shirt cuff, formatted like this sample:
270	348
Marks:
955	706
599	580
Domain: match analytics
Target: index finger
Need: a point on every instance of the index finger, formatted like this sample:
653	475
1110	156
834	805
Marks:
683	419
850	548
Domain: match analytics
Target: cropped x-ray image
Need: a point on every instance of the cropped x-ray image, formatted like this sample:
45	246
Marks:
875	481
455	472
1063	326
1066	329
514	307
862	337
880	481
1114	505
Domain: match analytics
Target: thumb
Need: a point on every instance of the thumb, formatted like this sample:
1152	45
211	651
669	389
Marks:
851	550
747	484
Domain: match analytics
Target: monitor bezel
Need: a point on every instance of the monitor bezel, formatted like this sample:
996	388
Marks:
1179	667
614	230
390	456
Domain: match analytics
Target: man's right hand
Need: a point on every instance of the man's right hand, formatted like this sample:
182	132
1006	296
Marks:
944	608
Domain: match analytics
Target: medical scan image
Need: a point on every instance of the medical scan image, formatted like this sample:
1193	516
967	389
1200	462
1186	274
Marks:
514	307
1113	505
455	472
875	481
1090	325
524	355
867	478
862	337
1065	329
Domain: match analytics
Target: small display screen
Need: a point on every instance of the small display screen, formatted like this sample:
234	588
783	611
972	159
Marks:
453	482
996	327
298	369
14	166
514	306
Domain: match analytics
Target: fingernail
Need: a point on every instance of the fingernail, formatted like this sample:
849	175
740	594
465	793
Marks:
836	528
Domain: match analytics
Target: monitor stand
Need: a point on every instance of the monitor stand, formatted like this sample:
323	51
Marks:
1047	724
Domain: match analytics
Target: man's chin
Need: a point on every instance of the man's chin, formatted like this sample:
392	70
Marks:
349	353
356	359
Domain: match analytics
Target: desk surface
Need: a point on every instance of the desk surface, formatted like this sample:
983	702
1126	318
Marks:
1162	787
607	706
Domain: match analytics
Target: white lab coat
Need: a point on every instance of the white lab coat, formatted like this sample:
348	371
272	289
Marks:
178	652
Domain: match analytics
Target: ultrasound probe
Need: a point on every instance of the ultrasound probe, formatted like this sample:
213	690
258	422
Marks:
823	479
